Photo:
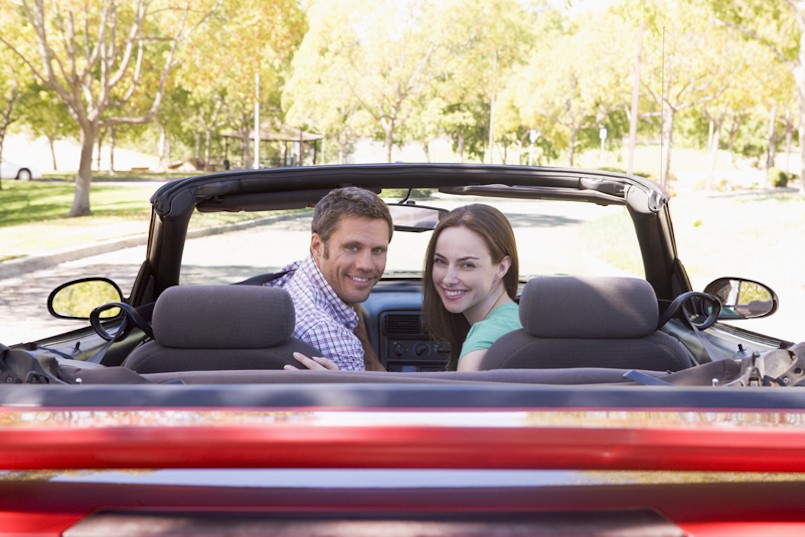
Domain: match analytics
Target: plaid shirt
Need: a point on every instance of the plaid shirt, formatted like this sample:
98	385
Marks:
322	319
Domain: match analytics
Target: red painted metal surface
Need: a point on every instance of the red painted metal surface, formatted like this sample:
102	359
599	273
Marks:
582	439
166	438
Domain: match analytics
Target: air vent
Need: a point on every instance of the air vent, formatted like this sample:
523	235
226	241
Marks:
403	325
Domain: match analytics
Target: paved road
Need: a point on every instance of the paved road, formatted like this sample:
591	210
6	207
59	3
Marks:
233	256
236	255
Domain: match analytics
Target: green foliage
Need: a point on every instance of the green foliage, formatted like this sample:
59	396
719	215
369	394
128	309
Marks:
780	179
413	71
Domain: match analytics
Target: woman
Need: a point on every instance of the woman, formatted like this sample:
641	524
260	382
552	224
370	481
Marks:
470	282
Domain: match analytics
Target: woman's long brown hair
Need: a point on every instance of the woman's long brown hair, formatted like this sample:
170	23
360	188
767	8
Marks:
496	231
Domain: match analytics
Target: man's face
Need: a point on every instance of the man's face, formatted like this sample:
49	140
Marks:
353	259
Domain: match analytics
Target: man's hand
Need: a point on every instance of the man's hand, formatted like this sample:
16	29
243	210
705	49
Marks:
315	362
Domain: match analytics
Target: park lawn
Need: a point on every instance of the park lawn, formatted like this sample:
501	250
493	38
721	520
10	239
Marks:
33	217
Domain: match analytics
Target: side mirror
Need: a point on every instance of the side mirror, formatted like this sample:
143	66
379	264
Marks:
743	299
77	299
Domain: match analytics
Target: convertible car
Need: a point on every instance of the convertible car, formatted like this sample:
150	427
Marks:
628	404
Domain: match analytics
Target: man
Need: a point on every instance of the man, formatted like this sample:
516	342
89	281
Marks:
351	231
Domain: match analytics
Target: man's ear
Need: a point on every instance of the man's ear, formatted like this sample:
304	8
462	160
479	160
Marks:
316	246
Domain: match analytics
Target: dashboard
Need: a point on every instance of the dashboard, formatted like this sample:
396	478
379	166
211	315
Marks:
394	322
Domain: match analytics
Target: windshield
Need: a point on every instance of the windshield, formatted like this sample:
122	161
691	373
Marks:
553	237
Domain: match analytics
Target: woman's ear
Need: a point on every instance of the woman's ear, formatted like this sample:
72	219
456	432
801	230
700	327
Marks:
504	265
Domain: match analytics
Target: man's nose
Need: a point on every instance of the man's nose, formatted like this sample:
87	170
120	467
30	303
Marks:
364	260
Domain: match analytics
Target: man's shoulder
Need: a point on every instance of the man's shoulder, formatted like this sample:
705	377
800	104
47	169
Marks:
282	277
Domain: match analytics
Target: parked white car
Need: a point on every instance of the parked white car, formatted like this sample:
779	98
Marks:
12	170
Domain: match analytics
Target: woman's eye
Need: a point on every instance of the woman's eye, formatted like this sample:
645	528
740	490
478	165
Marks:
438	261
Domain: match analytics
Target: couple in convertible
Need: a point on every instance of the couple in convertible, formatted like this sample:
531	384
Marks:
469	282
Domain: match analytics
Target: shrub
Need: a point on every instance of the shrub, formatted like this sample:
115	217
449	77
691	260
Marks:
780	179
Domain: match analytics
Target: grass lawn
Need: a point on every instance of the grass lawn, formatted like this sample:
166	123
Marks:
33	215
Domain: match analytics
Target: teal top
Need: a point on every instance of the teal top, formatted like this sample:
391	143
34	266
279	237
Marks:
500	321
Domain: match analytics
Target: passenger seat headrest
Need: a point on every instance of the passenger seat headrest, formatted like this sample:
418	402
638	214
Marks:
588	307
223	317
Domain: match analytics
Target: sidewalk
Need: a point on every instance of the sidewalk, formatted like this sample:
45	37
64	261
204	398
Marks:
24	265
41	261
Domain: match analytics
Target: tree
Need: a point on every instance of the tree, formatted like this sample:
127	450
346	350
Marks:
739	99
46	115
11	92
377	57
9	112
562	97
96	56
780	28
244	82
688	65
487	42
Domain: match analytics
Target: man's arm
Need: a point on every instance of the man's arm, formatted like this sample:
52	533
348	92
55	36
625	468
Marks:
336	343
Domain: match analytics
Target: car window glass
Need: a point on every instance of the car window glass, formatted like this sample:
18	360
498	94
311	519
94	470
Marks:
553	237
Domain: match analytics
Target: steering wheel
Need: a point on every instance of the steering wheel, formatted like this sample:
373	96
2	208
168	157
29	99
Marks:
130	316
700	310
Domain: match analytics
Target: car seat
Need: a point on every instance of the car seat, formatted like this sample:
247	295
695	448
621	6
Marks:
220	327
588	322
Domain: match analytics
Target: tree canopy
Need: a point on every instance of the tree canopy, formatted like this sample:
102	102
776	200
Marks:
504	80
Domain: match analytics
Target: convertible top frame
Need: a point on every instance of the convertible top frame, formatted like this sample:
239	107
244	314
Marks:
295	188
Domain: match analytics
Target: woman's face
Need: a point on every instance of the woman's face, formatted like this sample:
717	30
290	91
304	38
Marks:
465	277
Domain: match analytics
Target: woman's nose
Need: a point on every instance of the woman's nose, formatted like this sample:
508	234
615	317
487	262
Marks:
450	275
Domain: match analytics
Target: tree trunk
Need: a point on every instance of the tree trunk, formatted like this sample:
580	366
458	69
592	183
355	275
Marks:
389	139
668	142
633	115
732	133
789	138
207	148
83	180
52	144
247	151
163	165
571	148
100	149
112	151
771	145
799	77
715	137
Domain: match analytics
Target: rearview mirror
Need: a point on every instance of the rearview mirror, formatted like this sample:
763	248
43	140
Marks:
416	218
743	299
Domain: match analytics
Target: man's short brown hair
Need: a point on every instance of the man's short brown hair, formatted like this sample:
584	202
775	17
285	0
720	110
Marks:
347	201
